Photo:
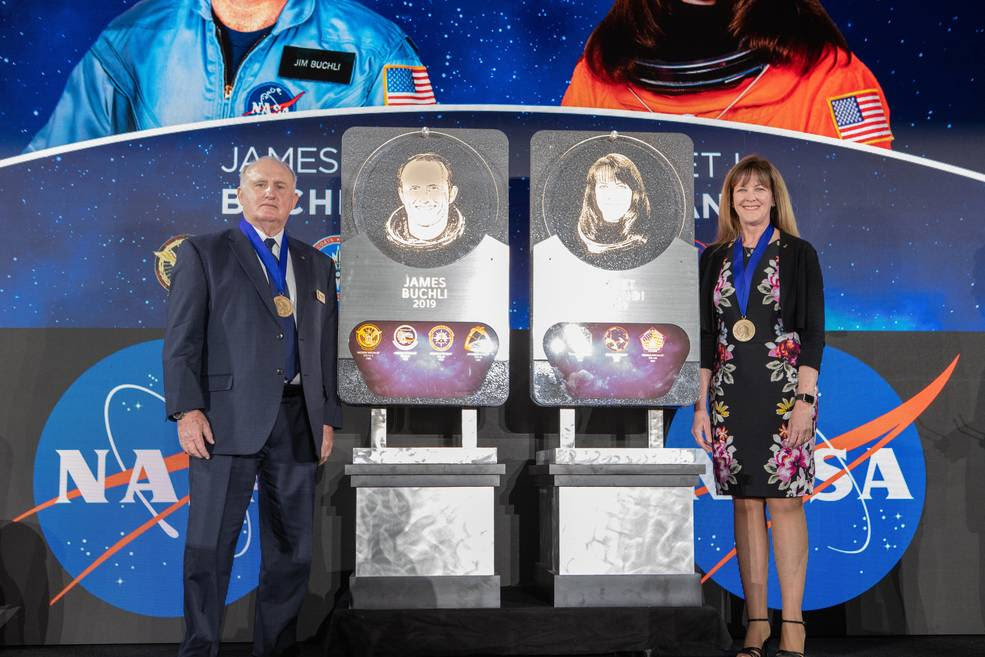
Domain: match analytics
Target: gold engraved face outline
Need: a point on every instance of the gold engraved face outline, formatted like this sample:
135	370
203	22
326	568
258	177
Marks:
368	336
616	339
652	340
441	337
405	337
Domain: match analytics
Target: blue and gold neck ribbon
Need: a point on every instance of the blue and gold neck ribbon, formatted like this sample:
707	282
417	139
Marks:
743	271
276	270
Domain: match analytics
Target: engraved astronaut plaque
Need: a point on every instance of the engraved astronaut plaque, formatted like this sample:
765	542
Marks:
614	311
424	306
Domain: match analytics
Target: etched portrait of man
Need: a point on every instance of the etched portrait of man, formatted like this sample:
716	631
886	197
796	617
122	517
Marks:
428	219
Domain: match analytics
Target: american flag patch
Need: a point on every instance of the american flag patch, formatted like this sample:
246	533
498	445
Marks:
407	85
861	116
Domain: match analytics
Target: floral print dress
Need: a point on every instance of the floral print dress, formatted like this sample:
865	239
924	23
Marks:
752	392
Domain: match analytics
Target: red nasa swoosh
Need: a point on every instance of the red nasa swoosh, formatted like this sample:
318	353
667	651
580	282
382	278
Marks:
282	107
120	544
891	424
174	462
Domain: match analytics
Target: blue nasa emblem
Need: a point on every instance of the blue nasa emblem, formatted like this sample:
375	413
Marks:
270	98
109	465
859	524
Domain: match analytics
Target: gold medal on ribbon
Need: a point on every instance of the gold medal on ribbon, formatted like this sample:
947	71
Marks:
743	330
283	305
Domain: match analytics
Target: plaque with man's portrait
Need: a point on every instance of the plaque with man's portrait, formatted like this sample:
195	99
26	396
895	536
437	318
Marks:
614	308
424	302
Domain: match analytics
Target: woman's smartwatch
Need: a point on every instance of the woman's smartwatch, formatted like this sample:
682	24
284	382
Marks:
804	397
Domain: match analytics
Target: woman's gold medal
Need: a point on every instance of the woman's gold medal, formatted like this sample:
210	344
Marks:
743	330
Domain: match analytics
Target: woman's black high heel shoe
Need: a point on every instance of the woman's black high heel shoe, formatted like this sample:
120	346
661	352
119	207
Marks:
755	651
791	653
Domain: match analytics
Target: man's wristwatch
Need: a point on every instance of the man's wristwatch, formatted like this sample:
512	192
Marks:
804	397
177	416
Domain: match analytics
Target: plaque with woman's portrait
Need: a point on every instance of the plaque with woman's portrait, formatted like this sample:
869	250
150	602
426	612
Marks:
614	314
424	300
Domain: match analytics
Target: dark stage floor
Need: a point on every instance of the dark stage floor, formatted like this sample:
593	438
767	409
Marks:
923	646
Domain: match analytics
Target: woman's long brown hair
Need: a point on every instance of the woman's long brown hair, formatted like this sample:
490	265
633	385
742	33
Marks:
797	32
761	169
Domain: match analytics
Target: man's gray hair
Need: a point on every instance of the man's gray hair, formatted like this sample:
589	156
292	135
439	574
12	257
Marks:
268	158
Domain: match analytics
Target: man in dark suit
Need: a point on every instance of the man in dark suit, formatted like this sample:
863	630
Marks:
249	376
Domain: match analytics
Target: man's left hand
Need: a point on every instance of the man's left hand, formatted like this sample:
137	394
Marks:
327	440
800	429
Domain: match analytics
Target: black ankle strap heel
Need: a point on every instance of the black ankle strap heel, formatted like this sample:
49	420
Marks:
791	653
755	651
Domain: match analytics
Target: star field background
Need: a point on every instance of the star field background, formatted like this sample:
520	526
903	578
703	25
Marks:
900	243
925	55
901	246
891	232
856	534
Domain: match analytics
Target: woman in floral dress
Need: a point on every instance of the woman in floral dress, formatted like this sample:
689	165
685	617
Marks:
762	334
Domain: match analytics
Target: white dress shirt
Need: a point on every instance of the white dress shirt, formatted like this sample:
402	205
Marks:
291	285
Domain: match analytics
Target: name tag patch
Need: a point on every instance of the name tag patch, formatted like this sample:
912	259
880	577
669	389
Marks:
313	64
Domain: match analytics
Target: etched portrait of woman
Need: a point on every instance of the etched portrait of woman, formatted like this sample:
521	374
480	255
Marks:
615	208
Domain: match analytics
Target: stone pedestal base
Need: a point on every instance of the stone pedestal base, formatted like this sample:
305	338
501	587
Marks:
617	527
619	590
424	530
436	592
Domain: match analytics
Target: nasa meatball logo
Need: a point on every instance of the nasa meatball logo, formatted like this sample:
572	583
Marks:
270	98
869	488
111	490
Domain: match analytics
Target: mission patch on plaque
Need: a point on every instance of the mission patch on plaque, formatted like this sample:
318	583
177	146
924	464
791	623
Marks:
614	314
425	235
451	360
629	361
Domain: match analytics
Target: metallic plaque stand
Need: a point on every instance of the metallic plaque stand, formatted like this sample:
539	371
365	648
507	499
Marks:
424	522
617	523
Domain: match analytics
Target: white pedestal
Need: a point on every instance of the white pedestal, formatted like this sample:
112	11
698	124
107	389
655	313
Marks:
424	527
617	526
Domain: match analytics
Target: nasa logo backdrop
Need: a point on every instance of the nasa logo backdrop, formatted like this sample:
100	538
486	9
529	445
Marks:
614	269
859	525
424	306
109	465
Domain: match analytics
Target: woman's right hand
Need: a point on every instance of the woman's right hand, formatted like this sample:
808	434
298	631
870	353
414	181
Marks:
701	430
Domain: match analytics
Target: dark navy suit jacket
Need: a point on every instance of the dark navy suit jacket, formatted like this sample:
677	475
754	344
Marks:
223	349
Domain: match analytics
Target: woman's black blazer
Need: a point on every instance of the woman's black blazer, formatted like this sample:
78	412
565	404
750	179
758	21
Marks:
801	298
